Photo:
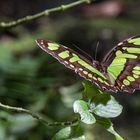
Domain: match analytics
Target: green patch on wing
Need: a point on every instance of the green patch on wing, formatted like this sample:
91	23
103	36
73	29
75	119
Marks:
99	79
76	58
90	75
135	76
136	68
118	64
85	72
53	46
136	72
126	82
134	50
125	55
64	54
116	67
135	41
130	78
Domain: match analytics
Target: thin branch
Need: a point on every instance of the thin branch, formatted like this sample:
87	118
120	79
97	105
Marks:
39	118
41	14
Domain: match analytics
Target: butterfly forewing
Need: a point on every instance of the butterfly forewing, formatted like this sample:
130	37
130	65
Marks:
119	71
123	64
76	62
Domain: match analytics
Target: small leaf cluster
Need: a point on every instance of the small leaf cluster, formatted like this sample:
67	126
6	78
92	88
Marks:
94	107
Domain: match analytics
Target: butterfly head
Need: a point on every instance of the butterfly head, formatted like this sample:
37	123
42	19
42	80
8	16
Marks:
96	64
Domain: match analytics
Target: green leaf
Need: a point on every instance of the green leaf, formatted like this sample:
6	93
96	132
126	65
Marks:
79	138
90	91
100	103
81	107
77	131
107	124
63	134
109	110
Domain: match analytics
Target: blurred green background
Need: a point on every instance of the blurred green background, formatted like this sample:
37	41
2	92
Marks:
32	79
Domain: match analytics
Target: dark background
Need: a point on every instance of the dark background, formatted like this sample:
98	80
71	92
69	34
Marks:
31	79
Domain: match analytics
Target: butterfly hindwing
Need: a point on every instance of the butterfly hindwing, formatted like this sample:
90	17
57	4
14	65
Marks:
123	64
76	62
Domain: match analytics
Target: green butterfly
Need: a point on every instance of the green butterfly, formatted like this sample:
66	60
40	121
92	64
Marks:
119	70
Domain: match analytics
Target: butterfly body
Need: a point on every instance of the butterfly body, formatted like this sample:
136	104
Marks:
119	70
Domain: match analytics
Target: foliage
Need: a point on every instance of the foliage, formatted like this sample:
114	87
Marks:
103	105
28	84
33	80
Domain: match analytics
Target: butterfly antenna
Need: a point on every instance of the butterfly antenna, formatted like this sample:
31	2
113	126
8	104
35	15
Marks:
83	51
96	49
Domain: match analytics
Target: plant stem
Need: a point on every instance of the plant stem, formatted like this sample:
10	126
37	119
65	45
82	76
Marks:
41	14
39	118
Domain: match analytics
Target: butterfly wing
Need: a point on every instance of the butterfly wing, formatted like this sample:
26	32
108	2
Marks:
76	62
122	64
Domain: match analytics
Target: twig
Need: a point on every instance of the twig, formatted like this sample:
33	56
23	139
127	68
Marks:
41	14
39	118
